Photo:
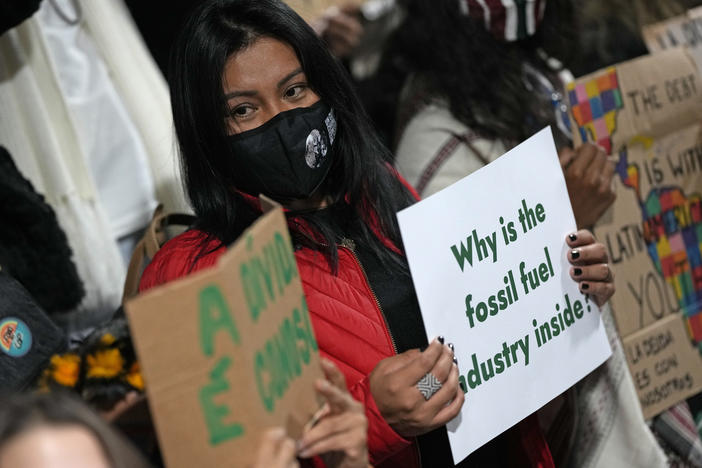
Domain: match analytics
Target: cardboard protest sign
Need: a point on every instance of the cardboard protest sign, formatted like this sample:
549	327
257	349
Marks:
649	96
677	31
488	261
647	113
311	10
663	365
684	30
654	224
229	352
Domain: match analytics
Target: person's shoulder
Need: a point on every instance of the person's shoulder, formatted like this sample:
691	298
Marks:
420	112
430	133
437	114
426	131
186	253
436	150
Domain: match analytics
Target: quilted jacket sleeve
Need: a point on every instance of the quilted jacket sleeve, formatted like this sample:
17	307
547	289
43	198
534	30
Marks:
179	257
383	441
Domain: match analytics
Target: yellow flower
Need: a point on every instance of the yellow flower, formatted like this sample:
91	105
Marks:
65	369
105	363
107	339
134	378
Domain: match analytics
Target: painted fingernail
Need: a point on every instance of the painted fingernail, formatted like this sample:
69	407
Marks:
584	285
441	339
577	271
455	360
450	345
572	237
575	254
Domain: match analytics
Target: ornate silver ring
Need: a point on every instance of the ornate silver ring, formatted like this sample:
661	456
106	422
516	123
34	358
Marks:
428	385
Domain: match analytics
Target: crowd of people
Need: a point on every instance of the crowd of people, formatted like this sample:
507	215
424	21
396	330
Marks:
344	120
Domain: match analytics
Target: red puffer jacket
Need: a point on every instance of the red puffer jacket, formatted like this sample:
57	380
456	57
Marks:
350	330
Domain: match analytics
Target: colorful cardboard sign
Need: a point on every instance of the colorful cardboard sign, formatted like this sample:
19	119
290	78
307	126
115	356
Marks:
653	232
663	365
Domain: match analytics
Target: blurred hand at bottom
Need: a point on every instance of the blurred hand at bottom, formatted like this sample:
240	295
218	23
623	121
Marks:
341	29
340	435
588	173
276	450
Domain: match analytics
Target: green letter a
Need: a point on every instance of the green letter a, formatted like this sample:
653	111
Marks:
214	316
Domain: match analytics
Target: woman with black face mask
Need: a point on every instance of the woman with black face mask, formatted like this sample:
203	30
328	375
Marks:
260	106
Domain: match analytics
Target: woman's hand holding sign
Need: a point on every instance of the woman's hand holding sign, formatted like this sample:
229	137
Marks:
590	266
588	173
407	393
340	435
276	450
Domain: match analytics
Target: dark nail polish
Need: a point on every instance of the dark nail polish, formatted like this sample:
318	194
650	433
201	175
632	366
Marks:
577	271
585	286
455	360
572	237
441	339
575	254
450	345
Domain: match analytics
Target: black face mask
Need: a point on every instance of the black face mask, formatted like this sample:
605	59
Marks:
286	158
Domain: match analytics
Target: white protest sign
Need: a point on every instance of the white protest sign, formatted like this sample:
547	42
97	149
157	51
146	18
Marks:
488	261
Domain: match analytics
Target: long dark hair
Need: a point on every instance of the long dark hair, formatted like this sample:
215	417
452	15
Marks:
21	413
360	178
480	77
600	25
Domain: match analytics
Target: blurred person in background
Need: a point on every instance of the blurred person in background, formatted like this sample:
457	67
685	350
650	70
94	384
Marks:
479	80
609	32
55	430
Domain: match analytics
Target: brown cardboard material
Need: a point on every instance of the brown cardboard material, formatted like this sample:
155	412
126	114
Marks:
658	93
680	30
229	352
665	368
684	30
652	129
658	149
646	293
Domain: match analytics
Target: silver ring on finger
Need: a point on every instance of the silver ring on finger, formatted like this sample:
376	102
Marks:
609	273
428	385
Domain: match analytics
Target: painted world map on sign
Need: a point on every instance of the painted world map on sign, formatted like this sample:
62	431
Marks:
594	105
672	229
671	219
